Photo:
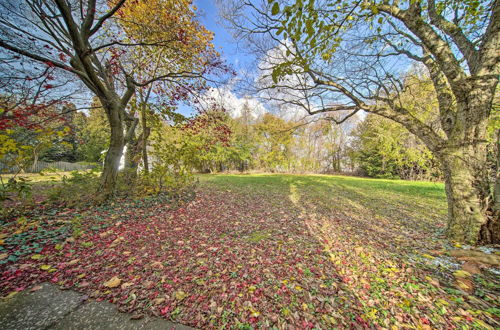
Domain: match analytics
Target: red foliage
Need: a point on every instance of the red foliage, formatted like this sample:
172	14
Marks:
29	116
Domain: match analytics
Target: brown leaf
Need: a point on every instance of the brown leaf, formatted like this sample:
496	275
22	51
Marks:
471	267
104	234
157	265
465	284
137	316
159	301
74	261
477	256
35	288
117	241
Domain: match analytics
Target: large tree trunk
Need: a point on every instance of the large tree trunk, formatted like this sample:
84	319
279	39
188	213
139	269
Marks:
466	204
114	154
467	175
493	226
135	151
131	152
496	207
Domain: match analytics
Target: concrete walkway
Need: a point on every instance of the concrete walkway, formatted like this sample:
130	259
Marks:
52	308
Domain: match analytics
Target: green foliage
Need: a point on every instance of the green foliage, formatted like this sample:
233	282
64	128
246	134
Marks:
275	142
384	149
19	187
76	227
172	155
92	134
321	28
76	189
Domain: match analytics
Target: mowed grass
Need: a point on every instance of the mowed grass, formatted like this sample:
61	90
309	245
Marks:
351	195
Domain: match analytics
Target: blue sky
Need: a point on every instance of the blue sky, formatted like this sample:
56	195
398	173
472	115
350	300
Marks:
223	41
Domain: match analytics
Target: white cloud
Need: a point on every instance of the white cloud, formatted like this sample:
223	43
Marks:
283	100
234	104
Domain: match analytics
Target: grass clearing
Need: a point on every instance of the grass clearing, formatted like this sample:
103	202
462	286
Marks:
398	198
44	177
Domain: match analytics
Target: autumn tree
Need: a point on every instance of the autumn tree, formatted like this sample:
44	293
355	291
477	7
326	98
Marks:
194	53
275	139
87	40
351	56
26	136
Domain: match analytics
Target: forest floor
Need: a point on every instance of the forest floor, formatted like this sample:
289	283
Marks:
263	251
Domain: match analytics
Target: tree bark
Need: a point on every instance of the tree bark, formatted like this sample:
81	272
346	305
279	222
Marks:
113	155
130	154
145	131
466	200
493	226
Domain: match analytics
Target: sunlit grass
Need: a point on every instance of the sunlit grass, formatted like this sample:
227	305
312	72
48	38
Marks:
43	177
37	177
382	197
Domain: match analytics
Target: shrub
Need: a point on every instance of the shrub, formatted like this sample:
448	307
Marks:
76	189
15	187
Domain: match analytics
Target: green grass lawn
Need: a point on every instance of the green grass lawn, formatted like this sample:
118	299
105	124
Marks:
419	201
45	177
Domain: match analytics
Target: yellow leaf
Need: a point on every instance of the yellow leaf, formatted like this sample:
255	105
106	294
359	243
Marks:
443	302
4	256
180	295
113	282
462	273
482	324
10	295
36	257
45	267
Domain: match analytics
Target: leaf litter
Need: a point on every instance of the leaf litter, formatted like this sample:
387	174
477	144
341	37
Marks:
256	258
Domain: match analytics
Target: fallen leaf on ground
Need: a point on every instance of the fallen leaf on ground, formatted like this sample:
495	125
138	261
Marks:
113	282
